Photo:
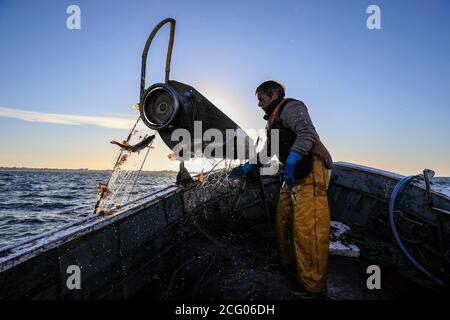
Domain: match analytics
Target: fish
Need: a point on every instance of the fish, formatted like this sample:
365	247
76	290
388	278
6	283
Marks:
137	147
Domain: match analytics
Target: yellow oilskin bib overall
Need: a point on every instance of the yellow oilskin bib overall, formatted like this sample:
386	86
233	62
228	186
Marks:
303	227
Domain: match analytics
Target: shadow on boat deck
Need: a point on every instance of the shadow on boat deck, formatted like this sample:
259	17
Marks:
220	263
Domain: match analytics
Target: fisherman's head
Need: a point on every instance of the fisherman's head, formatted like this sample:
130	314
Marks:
268	92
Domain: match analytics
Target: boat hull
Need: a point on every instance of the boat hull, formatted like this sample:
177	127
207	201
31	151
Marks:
118	255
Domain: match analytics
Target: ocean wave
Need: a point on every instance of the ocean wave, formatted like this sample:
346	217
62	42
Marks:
55	205
6	177
34	220
37	201
16	205
65	197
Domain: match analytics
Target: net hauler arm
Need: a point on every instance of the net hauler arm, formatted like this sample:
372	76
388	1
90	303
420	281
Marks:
173	105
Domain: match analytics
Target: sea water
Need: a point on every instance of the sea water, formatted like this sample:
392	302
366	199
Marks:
35	201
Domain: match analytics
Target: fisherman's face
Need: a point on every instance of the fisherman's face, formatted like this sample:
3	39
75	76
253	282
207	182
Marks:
264	101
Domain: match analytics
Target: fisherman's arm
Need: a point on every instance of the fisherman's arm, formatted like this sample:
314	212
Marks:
295	116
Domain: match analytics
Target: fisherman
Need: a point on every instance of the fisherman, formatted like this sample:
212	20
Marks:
303	216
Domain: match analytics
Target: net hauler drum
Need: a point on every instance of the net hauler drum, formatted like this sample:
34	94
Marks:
173	105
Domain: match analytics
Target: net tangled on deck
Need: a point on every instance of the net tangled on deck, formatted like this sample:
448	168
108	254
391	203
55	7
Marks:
210	190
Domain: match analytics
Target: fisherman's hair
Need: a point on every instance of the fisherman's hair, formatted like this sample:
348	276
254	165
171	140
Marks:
270	87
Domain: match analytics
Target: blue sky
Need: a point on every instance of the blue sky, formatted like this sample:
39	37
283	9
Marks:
377	97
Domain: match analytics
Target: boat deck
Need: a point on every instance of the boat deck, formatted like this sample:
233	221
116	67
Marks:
224	263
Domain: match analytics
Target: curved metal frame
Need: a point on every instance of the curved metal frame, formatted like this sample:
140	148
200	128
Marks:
147	47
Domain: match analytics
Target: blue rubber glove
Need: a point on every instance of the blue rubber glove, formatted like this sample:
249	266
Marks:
289	168
239	171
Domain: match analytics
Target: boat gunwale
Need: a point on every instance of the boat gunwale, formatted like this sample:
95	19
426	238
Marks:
391	175
31	247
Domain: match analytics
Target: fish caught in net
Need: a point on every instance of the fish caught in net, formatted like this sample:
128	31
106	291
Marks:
115	193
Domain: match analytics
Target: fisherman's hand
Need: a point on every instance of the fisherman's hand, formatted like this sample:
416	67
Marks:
289	168
239	171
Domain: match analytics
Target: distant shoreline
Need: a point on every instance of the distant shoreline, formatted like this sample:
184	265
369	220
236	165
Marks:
72	170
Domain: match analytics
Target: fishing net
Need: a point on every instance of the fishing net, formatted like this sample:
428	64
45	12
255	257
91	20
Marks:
212	192
116	192
385	253
212	184
217	182
218	177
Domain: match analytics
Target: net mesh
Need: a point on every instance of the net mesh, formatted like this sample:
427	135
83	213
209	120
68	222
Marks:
115	193
218	177
210	188
212	185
